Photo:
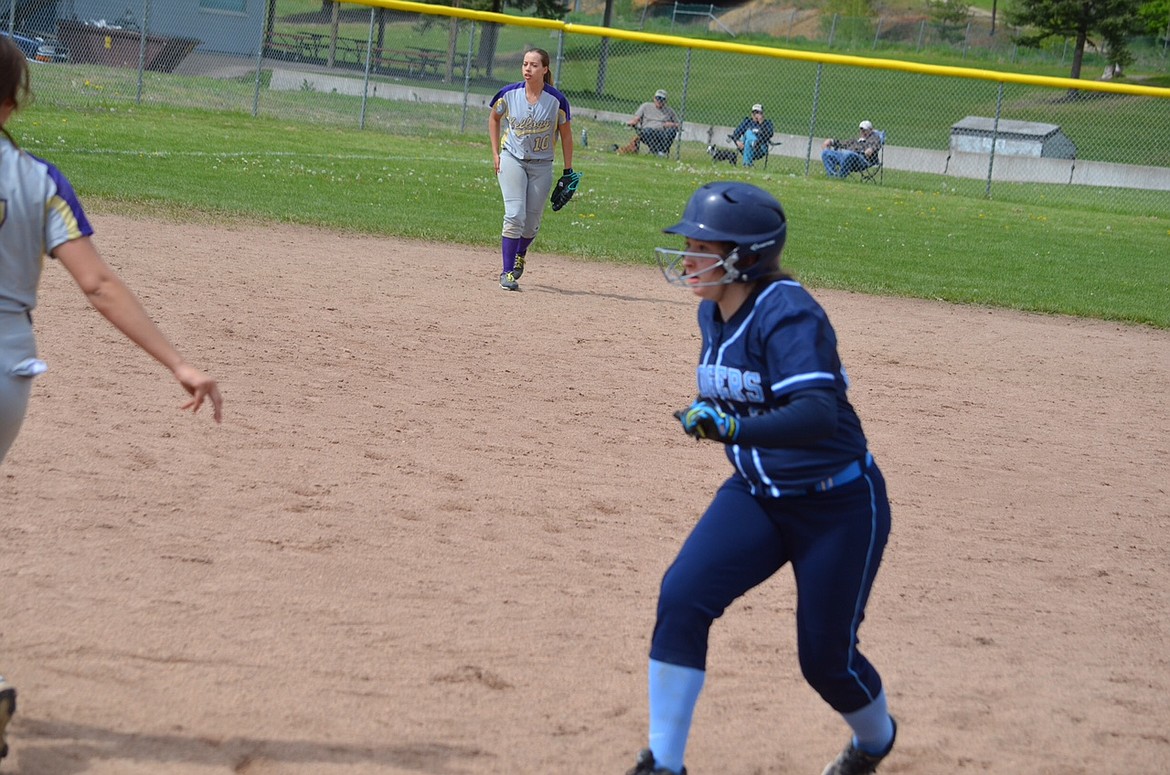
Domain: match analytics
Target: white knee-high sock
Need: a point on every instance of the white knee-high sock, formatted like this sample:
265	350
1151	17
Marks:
873	729
674	690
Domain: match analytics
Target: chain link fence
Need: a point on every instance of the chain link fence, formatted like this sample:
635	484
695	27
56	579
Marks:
976	37
433	74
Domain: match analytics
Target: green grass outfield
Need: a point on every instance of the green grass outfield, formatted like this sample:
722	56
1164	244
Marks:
1037	248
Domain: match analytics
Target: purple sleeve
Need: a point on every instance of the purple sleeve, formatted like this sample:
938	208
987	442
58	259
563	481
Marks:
69	196
562	100
66	218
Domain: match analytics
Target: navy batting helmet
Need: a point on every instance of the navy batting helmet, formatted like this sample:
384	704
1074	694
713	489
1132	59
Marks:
746	216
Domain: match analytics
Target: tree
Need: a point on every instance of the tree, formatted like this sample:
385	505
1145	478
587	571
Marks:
950	18
1155	16
485	56
1111	20
603	60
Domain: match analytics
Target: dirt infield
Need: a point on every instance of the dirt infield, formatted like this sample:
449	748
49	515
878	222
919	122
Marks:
429	534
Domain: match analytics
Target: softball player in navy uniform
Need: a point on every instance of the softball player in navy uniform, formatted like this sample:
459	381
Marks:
804	489
39	215
523	156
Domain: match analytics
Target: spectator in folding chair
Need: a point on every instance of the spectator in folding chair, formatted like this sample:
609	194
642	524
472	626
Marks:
842	157
657	125
753	136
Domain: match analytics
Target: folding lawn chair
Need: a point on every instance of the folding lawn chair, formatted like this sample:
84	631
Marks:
872	173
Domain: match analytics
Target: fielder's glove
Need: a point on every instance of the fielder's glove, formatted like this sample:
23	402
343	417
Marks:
565	188
704	420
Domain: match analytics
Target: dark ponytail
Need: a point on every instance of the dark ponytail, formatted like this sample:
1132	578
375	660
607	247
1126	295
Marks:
547	67
14	86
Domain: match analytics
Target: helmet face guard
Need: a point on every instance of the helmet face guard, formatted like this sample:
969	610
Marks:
672	263
746	216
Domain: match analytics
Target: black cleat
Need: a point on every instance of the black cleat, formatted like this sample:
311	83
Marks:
7	708
854	761
646	765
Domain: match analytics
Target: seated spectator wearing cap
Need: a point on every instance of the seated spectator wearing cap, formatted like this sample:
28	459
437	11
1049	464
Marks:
842	157
753	135
656	123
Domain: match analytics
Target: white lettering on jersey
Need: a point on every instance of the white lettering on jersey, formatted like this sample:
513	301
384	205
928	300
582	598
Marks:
730	383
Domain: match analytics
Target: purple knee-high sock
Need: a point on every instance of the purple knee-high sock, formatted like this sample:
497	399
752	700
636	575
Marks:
522	248
508	248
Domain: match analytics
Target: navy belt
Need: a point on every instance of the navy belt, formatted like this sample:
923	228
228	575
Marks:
849	473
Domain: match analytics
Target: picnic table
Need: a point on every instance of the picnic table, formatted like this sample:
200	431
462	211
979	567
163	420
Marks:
417	61
426	59
299	46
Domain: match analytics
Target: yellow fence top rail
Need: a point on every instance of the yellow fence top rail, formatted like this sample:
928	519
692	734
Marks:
768	51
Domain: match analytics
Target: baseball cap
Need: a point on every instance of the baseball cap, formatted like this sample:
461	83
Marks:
866	125
758	107
660	93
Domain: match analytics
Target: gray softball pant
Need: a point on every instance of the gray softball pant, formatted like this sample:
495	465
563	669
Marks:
525	186
18	348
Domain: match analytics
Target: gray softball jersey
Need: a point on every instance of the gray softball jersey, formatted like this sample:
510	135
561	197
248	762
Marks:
38	212
530	133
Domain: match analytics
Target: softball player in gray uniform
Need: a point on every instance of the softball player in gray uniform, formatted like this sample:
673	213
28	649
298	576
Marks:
523	156
804	490
39	215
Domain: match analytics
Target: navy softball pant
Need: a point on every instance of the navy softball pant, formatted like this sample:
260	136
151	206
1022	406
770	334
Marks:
834	541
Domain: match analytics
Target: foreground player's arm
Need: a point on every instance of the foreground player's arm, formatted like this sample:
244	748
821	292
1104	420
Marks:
118	304
809	416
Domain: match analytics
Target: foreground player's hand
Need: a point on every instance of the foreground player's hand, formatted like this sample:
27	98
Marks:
202	388
704	420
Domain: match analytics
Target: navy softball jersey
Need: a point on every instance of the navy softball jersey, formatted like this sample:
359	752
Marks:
777	343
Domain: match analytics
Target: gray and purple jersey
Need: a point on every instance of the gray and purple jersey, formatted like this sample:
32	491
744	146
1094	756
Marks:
531	129
38	212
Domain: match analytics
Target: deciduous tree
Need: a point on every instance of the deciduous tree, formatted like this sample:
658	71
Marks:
1110	21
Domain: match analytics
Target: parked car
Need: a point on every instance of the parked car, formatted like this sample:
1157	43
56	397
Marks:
28	45
40	49
51	51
